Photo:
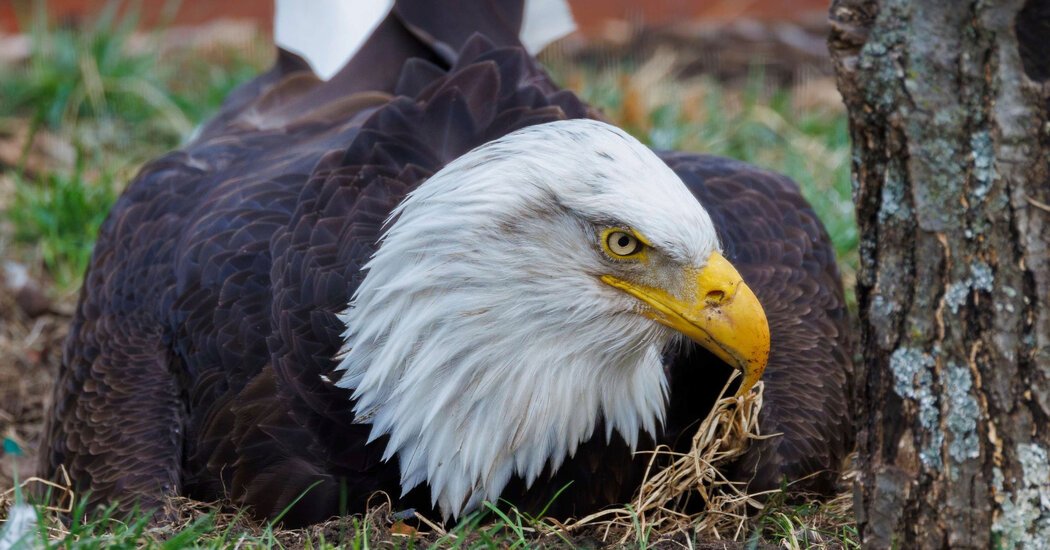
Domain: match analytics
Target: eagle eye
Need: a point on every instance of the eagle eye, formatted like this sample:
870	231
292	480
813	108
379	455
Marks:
620	243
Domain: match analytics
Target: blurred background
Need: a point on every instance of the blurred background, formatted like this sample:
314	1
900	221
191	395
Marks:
90	90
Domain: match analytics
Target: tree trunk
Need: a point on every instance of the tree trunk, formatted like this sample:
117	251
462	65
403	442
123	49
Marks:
948	105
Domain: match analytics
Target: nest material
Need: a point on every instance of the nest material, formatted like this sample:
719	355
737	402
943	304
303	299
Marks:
672	481
61	494
722	437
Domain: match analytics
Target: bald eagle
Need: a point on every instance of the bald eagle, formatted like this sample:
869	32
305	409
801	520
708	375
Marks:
438	275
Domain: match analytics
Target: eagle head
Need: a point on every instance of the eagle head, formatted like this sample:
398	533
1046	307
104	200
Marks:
526	290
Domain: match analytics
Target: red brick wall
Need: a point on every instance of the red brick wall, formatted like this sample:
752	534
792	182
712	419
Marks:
190	12
590	14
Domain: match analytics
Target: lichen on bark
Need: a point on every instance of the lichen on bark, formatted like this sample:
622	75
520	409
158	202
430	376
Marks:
951	160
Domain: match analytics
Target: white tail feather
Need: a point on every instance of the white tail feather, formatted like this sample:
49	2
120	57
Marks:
545	21
328	33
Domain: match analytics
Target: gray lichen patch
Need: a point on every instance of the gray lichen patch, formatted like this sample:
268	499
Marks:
1036	468
983	156
963	413
1023	520
955	295
913	379
981	278
879	57
893	203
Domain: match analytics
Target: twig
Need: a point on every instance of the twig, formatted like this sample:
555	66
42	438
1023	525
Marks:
1037	204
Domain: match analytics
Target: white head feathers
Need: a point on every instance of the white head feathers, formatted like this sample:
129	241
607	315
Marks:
482	340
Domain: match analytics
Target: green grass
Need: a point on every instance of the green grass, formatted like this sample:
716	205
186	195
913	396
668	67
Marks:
808	525
92	74
198	525
59	217
117	106
190	524
787	526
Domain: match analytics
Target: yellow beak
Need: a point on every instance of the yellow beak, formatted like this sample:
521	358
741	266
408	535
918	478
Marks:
721	314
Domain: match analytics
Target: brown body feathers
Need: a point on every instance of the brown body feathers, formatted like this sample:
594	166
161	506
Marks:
208	315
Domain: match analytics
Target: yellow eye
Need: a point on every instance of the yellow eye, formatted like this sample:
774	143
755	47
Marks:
622	243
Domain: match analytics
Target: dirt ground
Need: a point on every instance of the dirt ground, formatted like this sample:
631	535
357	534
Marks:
32	330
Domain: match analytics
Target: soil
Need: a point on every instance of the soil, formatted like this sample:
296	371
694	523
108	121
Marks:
30	352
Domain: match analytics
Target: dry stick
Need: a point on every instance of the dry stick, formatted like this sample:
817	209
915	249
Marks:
1038	204
437	529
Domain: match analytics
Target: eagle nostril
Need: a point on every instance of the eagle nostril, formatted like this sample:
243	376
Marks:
715	297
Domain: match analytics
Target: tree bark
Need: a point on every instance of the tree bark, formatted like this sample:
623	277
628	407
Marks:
948	105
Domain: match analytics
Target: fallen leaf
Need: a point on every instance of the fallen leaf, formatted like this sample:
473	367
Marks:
401	529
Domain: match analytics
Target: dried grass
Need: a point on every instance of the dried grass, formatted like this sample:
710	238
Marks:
62	494
239	529
722	437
